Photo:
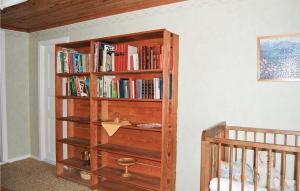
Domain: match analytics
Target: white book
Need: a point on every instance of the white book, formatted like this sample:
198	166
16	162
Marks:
58	67
135	61
131	50
64	86
66	66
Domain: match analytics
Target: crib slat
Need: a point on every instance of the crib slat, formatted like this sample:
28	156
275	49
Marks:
236	138
296	140
297	172
254	137
265	137
285	139
215	160
269	170
255	168
243	169
230	168
219	165
274	157
283	170
245	135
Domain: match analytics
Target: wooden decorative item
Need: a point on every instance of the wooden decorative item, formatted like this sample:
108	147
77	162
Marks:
153	104
126	162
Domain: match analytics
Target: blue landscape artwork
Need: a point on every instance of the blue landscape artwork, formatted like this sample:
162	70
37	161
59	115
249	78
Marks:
279	58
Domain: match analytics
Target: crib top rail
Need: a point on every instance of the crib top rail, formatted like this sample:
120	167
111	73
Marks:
219	134
214	131
249	144
261	130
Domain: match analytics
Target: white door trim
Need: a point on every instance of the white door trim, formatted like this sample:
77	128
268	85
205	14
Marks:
41	91
3	113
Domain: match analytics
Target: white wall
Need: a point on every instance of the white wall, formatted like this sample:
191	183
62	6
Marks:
217	73
17	95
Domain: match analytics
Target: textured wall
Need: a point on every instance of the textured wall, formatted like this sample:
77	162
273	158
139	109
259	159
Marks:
217	74
17	93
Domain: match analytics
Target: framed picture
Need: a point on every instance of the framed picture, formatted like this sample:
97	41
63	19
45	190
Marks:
278	58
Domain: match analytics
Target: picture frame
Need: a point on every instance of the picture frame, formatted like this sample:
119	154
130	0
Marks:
278	58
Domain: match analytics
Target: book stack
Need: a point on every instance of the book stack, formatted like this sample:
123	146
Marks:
70	61
150	57
113	87
104	55
76	86
124	57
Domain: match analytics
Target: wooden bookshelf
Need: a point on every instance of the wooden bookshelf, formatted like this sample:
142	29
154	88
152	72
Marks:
144	96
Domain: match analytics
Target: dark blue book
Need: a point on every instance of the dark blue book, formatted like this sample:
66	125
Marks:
170	90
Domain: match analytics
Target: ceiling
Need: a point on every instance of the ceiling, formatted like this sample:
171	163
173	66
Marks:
35	15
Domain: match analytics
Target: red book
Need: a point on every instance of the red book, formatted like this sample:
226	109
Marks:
121	57
160	57
135	89
130	89
125	56
117	57
171	58
70	56
140	57
131	63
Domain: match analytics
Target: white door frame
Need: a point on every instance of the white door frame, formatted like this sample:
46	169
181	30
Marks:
3	118
41	92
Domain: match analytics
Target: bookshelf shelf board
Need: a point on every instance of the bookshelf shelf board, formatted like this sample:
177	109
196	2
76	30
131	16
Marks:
128	72
131	151
75	177
109	185
127	99
141	128
133	127
143	181
74	119
75	163
75	142
73	97
72	74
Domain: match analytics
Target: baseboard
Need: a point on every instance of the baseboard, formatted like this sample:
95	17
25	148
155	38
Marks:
35	157
18	158
26	157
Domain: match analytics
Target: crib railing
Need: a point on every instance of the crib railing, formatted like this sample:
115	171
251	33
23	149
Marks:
217	147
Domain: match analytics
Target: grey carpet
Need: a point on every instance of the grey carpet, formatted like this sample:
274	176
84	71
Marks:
34	175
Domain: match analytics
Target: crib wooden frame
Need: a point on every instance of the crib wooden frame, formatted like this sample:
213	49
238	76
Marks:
216	147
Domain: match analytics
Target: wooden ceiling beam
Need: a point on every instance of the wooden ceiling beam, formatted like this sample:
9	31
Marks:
35	15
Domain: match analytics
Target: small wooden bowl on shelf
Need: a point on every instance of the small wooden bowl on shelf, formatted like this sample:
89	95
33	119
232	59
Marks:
126	162
85	175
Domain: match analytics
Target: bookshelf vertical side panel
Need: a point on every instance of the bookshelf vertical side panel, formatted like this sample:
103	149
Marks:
165	180
174	106
93	118
58	124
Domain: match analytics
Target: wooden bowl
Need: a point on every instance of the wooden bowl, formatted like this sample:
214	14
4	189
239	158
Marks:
85	175
126	161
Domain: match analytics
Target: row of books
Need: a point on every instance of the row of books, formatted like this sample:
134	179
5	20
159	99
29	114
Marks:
76	86
123	57
70	61
113	87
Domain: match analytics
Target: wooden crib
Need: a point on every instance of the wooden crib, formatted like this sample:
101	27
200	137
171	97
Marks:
226	143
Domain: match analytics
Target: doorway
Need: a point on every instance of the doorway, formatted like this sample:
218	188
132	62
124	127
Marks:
3	123
47	99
